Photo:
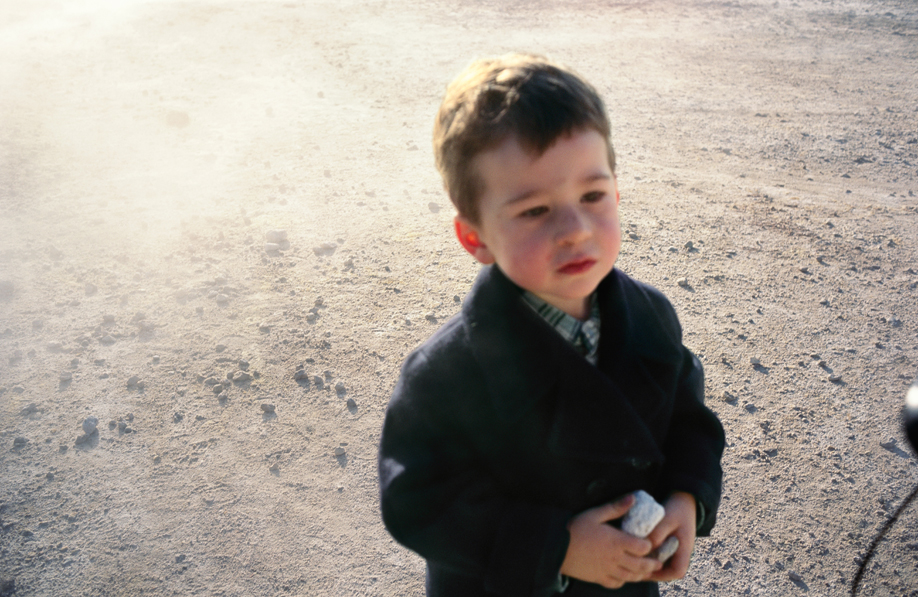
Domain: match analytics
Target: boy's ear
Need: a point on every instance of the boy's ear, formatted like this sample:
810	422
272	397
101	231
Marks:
468	236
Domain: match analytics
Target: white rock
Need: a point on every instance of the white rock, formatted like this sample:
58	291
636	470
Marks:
643	516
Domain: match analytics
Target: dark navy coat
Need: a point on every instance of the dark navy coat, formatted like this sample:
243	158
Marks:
499	432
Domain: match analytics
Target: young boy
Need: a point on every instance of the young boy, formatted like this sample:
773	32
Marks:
563	384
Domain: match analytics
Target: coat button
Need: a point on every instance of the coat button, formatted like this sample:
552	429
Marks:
597	488
640	464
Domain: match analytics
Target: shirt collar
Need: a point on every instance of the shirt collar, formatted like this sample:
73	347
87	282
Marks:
583	335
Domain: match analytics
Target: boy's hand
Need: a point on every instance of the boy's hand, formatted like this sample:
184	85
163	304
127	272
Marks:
679	521
599	553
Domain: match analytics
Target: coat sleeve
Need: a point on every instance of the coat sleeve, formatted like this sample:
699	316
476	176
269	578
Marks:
438	498
694	445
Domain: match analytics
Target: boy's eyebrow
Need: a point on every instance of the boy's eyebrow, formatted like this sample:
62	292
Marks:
585	180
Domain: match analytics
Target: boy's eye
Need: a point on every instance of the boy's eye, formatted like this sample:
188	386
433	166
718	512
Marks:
593	197
534	212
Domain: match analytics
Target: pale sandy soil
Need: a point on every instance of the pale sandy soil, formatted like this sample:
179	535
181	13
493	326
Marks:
146	148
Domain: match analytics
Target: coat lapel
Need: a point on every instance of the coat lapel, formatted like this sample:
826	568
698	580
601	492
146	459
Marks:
526	363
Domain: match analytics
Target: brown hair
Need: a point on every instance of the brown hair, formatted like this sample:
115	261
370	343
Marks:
523	95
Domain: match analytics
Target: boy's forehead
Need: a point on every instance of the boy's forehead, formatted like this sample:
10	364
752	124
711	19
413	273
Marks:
502	166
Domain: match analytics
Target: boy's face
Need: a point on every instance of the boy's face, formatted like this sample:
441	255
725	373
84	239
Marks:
549	222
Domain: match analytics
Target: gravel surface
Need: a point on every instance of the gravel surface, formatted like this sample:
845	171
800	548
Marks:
221	231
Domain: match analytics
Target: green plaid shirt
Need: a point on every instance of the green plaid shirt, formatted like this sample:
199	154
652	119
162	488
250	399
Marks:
583	335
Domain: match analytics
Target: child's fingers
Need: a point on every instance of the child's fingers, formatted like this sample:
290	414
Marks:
613	510
675	567
630	569
664	529
633	546
635	568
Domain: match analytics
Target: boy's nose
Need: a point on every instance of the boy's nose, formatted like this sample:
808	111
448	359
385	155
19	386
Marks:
572	226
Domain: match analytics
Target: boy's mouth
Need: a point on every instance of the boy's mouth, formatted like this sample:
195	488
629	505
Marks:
577	267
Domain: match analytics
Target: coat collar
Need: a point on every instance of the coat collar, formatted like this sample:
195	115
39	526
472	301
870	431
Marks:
505	332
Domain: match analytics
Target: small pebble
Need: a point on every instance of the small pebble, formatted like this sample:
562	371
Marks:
320	383
339	451
19	442
218	388
689	245
339	388
241	376
351	404
683	282
220	347
155	359
157	459
243	365
107	339
133	381
325	249
794	576
274	468
268	408
301	375
272	247
222	299
89	425
755	362
275	236
728	397
66	376
835	378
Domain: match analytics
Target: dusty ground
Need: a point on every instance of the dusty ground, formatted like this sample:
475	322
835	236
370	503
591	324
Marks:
147	147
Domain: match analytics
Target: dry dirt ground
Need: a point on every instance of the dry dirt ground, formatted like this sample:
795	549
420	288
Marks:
769	167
